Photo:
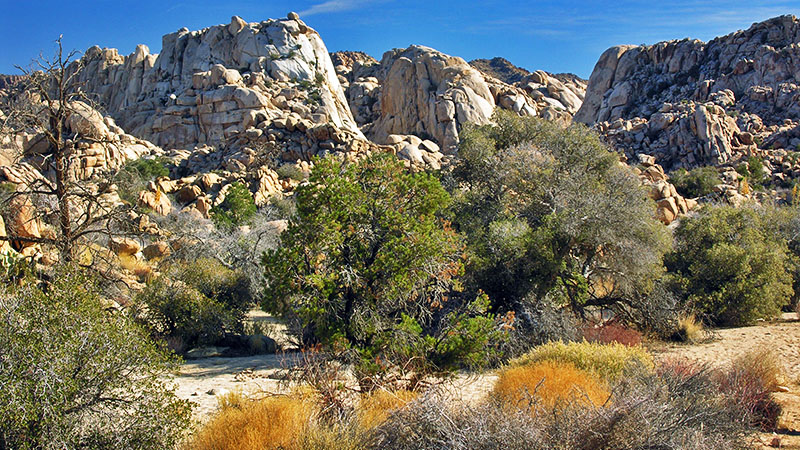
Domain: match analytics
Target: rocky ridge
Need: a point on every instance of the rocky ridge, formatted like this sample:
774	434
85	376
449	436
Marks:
691	103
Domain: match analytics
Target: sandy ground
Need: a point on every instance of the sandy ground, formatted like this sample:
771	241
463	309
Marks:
202	381
780	337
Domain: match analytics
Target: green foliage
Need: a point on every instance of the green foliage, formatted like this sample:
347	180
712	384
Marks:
135	174
194	304
697	182
753	170
368	268
731	265
608	361
75	375
290	171
237	208
551	216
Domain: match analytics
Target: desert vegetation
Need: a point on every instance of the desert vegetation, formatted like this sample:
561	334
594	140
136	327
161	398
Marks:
525	252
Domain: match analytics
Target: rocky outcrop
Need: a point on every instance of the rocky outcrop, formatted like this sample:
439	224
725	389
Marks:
694	103
206	86
500	68
422	92
669	204
100	146
429	94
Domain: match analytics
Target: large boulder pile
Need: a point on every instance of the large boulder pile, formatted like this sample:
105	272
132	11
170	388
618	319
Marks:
693	103
209	85
559	92
422	92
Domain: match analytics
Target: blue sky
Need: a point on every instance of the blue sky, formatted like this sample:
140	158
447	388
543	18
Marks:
556	36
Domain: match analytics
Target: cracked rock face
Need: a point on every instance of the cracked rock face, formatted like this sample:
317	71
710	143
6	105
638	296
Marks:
692	103
208	85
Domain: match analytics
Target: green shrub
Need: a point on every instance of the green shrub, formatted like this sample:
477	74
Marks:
697	182
731	265
607	361
237	208
753	170
135	174
369	269
180	314
290	171
194	304
536	202
75	375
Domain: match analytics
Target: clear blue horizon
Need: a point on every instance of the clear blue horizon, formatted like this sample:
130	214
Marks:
549	35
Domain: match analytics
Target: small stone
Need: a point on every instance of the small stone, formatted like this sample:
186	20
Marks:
293	16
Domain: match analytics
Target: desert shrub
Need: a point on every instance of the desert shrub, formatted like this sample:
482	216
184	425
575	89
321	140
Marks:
375	407
689	329
236	209
434	422
646	412
369	269
536	322
212	279
749	383
665	411
536	202
607	361
291	171
135	174
194	303
181	314
697	182
277	422
611	332
547	384
74	375
753	170
731	266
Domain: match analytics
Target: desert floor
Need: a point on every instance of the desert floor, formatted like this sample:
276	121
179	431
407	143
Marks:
202	380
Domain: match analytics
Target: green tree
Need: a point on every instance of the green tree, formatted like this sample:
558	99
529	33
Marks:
697	182
551	215
74	375
731	265
237	208
369	269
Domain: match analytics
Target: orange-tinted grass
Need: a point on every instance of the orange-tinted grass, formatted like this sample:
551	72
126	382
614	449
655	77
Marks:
375	407
547	384
269	423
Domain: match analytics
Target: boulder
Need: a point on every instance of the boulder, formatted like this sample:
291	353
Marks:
124	246
157	250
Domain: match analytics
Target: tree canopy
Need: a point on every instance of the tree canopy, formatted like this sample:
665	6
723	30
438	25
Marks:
369	265
551	213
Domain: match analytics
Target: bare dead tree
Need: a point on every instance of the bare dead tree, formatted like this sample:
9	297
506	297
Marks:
51	108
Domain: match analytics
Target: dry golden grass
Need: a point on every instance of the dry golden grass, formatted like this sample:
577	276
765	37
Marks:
547	384
141	269
762	365
242	424
376	406
609	362
690	329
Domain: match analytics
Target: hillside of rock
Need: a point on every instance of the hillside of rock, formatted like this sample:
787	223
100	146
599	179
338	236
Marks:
693	103
500	68
208	85
423	92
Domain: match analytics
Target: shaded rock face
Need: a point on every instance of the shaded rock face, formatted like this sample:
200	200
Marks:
208	85
695	103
